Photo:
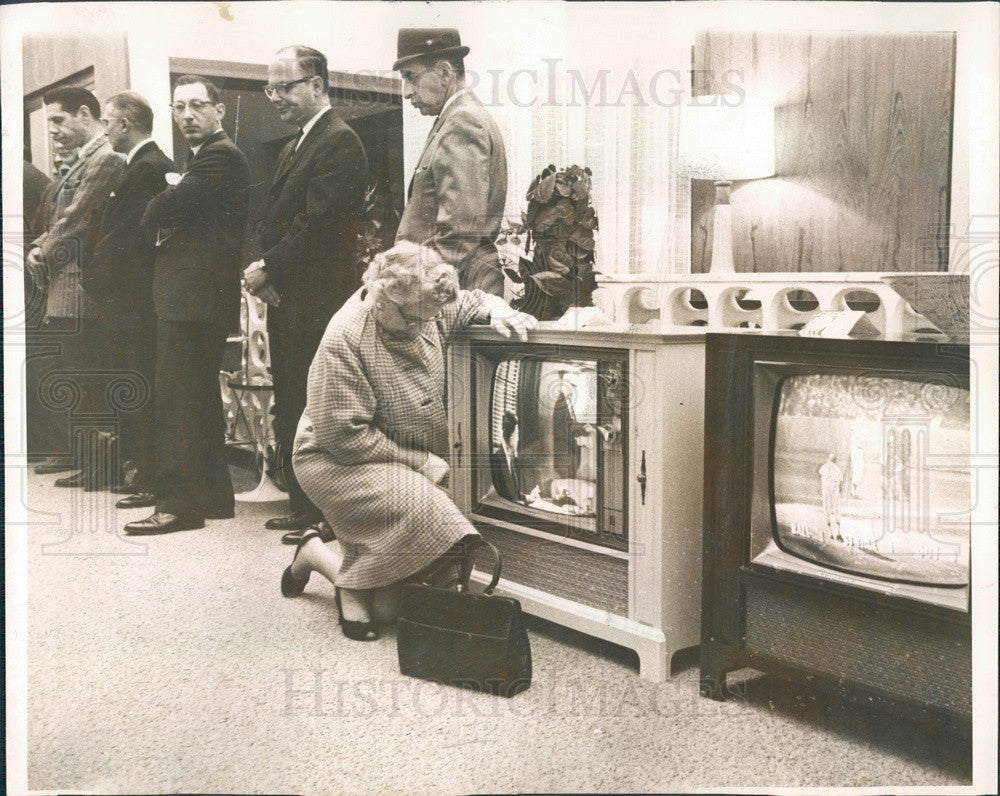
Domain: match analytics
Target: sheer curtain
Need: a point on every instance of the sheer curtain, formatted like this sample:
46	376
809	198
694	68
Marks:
612	106
601	90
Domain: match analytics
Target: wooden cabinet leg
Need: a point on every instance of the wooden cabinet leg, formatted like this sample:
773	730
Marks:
654	662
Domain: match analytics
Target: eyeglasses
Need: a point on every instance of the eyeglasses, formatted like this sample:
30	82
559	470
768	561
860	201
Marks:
196	106
106	120
273	89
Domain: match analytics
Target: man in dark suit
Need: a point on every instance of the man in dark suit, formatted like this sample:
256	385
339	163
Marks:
503	461
35	185
308	237
199	223
456	198
120	280
56	260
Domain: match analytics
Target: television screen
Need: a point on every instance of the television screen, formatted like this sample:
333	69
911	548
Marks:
870	476
555	439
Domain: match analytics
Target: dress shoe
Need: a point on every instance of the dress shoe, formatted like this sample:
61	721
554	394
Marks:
296	521
54	466
355	631
162	522
326	533
77	479
139	500
89	481
292	586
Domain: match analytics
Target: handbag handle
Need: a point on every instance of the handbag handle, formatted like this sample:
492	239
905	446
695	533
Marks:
470	560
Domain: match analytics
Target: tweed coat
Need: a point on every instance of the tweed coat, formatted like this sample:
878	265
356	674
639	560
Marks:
72	230
375	408
457	194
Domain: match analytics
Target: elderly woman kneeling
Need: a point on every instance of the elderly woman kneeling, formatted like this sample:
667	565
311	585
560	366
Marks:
371	445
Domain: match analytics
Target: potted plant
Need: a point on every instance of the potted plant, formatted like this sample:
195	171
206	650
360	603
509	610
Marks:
559	227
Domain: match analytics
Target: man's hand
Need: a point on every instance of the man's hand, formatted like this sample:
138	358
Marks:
254	277
257	284
269	295
36	268
506	320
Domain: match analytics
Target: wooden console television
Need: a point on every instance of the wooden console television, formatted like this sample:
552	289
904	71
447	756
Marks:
837	524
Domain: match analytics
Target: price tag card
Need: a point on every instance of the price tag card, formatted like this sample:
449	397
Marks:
845	323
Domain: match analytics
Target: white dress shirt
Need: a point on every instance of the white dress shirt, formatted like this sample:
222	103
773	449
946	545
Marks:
309	125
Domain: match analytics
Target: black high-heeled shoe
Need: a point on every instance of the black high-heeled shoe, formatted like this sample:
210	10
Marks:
355	631
292	586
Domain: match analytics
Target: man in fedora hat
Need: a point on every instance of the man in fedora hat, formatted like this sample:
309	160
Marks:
456	197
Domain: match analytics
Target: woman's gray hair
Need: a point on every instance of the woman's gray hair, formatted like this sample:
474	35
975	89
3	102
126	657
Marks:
409	273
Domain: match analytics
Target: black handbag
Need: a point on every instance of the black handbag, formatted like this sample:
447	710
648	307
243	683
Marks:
462	638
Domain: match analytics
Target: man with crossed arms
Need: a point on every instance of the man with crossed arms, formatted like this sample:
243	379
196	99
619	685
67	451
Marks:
198	223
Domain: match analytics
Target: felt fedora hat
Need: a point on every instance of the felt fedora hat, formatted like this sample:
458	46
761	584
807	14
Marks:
416	43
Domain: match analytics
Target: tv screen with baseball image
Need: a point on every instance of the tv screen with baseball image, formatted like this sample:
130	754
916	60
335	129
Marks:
839	486
869	476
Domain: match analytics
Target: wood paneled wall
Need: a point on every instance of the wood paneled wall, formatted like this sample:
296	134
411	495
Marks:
863	128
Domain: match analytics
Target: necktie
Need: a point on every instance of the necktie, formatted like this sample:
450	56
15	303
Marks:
188	159
291	152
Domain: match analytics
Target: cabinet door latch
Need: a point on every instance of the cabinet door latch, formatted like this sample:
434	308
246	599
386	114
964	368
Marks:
641	478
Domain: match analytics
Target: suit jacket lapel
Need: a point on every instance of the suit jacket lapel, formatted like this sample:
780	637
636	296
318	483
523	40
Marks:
427	142
79	164
457	103
288	159
62	180
284	163
218	135
122	188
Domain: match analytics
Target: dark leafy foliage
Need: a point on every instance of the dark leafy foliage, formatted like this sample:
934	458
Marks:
560	223
377	227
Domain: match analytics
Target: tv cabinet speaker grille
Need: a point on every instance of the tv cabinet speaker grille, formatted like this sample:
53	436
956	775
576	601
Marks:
910	657
571	573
